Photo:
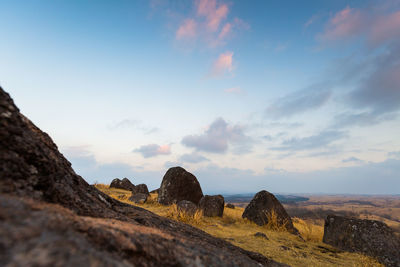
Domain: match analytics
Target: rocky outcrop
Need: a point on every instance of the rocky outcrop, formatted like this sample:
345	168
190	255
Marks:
140	189
177	185
138	198
212	206
155	191
265	206
186	207
230	206
49	216
122	184
372	238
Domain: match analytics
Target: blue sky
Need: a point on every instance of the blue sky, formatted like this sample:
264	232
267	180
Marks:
287	96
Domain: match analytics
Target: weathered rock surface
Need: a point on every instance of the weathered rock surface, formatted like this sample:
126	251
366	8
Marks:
122	184
230	206
263	205
155	191
49	216
212	206
186	207
140	189
370	237
138	198
177	185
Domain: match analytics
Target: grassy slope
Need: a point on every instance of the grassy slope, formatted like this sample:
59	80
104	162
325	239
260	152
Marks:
281	246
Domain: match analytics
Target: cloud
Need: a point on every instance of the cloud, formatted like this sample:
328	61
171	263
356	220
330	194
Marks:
311	21
218	137
223	64
322	139
153	150
187	30
394	154
346	23
209	24
132	123
352	160
233	90
193	158
351	119
300	101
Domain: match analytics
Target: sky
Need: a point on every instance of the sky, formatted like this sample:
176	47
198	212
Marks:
284	96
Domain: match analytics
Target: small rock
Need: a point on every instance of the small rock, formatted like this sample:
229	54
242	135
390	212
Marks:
230	206
138	198
140	188
212	205
259	234
122	184
187	207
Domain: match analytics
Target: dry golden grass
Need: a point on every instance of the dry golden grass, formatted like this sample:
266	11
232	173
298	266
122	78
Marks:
281	246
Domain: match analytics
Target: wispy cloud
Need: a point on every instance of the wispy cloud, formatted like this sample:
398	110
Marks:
132	124
153	150
218	137
223	64
193	158
352	160
187	30
233	90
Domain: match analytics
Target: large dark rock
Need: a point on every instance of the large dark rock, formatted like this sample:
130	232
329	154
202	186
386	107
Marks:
372	238
212	206
141	189
122	184
49	216
177	185
263	206
186	207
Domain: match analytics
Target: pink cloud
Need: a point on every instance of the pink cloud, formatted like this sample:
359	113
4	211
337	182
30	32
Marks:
225	31
186	30
233	90
346	23
164	150
214	13
385	28
223	64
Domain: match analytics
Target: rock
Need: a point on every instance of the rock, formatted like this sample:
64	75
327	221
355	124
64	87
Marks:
177	185
138	198
212	206
141	188
50	216
259	234
230	206
186	207
373	238
155	191
262	206
122	184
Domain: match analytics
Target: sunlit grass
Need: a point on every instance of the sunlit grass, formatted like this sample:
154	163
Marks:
280	246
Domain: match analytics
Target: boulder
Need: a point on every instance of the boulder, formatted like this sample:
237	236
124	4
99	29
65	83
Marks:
186	207
138	198
50	216
212	206
230	206
177	185
122	184
264	206
373	238
141	188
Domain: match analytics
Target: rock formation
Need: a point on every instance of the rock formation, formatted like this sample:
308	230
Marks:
49	216
177	185
212	206
263	206
372	238
186	207
141	188
122	184
138	198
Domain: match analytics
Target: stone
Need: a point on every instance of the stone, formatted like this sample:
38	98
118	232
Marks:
138	198
230	206
141	188
50	216
262	235
186	207
155	191
262	206
212	206
370	237
122	184
177	185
